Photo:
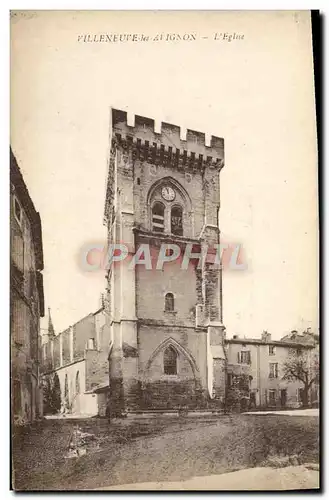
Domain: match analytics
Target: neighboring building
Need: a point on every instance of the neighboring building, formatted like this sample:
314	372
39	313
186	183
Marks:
166	326
75	362
262	361
26	299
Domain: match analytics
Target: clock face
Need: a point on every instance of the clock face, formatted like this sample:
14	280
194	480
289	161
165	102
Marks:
168	193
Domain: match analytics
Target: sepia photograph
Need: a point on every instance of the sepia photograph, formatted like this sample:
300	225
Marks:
164	251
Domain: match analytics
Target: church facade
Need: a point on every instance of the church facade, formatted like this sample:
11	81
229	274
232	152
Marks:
158	341
165	322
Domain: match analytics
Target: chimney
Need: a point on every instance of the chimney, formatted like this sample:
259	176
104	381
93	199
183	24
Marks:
266	336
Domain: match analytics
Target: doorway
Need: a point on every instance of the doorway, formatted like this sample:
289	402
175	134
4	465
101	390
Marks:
252	400
283	396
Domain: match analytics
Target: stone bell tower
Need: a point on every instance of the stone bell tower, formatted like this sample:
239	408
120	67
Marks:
164	303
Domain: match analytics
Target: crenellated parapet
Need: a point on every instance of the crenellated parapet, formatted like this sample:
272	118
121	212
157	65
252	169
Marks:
167	147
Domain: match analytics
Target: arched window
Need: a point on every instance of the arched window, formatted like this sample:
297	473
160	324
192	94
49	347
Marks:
170	361
158	217
176	220
169	302
77	383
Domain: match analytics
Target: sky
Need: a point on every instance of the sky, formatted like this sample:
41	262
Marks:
256	92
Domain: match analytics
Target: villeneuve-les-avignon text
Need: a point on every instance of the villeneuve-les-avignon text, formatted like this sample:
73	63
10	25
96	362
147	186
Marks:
158	37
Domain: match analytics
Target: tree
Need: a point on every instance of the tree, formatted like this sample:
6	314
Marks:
303	367
238	392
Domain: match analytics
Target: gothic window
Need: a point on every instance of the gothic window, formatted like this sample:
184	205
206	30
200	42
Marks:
169	302
77	383
158	217
176	220
17	247
170	361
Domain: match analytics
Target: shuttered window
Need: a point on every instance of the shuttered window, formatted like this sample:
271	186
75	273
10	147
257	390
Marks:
273	370
244	357
158	217
177	220
19	321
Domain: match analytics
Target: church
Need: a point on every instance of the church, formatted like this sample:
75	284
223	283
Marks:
167	348
157	342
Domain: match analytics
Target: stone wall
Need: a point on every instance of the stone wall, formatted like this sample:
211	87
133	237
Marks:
82	332
172	394
189	386
97	368
153	285
146	175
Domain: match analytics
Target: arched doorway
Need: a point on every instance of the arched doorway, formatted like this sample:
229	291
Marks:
171	378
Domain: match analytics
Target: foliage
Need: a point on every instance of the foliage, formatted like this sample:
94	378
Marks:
56	400
238	392
304	368
51	395
46	390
